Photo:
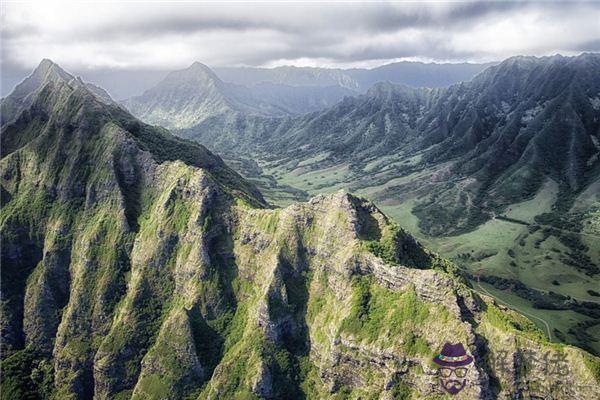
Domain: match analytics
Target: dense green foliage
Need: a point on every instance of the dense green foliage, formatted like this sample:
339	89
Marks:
375	311
135	271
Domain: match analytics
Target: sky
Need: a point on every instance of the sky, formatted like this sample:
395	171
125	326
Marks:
135	37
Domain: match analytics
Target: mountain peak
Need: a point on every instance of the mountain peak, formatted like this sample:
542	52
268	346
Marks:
48	70
199	65
46	64
21	97
187	97
196	71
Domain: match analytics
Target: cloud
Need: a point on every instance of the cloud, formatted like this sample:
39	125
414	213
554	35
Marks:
159	36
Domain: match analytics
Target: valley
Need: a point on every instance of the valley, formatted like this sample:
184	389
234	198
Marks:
480	171
139	264
258	200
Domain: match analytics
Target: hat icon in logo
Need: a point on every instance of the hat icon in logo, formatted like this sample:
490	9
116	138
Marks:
453	368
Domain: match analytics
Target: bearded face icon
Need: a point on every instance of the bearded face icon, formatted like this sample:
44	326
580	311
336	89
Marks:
453	368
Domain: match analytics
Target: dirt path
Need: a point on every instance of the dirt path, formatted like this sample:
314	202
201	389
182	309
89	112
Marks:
548	330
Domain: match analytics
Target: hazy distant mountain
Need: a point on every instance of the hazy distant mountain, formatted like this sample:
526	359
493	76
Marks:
356	128
288	75
188	97
137	265
124	84
373	124
300	99
415	74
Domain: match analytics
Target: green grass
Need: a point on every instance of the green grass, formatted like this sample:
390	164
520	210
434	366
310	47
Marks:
377	313
385	248
402	213
507	322
541	203
561	320
326	180
314	160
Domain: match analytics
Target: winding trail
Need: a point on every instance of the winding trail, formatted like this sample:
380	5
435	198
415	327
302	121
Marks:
548	330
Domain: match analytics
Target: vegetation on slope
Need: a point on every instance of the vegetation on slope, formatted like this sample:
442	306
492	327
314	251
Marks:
134	276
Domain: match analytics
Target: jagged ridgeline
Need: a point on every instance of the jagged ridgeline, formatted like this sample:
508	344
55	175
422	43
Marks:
138	265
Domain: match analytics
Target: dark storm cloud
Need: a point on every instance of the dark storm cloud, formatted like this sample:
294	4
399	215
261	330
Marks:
368	18
388	18
297	19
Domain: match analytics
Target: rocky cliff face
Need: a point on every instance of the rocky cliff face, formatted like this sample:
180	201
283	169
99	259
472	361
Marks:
137	265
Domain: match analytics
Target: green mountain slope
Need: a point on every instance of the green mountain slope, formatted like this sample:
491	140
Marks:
500	173
195	95
138	265
187	97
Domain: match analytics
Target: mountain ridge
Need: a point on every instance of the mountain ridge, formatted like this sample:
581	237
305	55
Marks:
198	94
138	265
502	171
189	97
192	96
414	74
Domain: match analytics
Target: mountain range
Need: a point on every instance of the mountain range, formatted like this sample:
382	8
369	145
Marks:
190	97
136	264
124	84
414	74
501	173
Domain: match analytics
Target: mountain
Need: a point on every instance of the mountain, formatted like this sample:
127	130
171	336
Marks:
417	74
500	173
288	75
507	130
510	128
414	74
517	125
189	97
197	99
376	123
125	84
120	83
300	99
138	265
357	127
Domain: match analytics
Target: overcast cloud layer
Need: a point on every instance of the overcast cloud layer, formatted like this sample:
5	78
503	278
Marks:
154	36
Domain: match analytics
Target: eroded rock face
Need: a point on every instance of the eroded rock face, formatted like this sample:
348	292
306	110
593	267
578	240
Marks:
128	273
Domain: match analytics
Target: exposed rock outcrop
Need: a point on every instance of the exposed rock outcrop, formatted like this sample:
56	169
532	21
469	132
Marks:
136	265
